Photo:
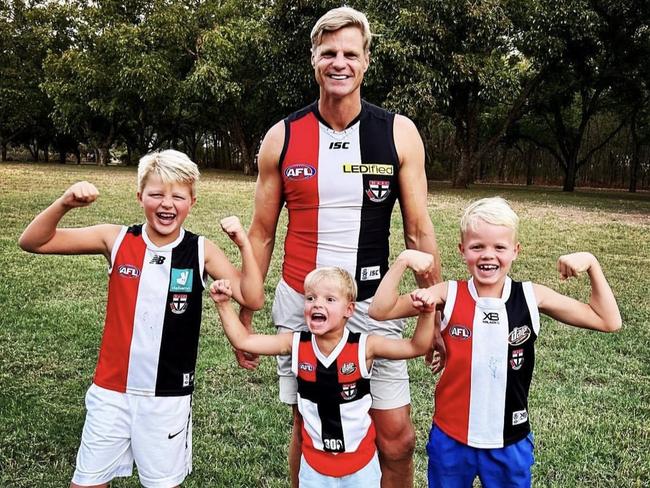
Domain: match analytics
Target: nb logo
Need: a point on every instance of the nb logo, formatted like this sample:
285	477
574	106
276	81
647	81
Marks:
157	259
339	145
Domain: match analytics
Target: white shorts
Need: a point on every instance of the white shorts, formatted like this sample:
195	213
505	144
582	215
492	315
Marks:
389	383
120	428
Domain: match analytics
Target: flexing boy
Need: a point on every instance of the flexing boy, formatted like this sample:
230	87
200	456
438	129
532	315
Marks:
333	368
489	326
139	405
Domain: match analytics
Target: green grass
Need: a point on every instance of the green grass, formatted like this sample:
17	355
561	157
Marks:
589	402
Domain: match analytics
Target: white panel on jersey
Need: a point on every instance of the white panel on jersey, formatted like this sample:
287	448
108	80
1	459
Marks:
355	422
489	371
312	423
340	198
149	317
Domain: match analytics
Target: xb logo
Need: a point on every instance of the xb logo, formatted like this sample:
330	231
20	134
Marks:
339	145
490	317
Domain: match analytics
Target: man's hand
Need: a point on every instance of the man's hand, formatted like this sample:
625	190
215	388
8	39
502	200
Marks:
81	194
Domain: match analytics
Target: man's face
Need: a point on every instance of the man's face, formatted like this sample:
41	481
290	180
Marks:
340	62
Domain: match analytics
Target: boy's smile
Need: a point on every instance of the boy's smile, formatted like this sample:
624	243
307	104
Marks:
488	251
166	206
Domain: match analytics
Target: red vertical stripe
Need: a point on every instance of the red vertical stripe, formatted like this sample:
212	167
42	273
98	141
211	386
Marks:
307	357
349	356
454	388
113	363
301	195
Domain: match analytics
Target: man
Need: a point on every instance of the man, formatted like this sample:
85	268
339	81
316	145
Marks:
339	165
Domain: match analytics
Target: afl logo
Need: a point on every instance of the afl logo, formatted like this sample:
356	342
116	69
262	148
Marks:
300	171
460	332
128	270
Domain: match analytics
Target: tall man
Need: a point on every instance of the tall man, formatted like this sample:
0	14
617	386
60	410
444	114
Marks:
339	165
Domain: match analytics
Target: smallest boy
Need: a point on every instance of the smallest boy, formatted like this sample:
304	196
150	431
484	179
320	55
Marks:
489	327
333	367
139	404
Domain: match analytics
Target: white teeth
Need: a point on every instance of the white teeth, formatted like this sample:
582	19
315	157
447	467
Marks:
338	77
488	267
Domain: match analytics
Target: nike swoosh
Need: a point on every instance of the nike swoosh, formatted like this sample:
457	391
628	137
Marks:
171	436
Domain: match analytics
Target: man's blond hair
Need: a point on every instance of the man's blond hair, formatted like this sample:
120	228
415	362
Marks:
171	166
493	210
344	280
338	18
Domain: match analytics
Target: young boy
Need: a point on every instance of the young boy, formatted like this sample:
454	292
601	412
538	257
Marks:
332	366
489	326
139	405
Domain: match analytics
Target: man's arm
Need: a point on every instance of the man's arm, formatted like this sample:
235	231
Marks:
418	229
268	204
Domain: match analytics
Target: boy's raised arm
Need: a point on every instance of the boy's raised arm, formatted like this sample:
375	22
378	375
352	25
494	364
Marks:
44	237
387	303
238	335
246	285
601	313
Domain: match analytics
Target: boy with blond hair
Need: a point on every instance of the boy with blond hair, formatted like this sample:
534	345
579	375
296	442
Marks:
139	405
332	366
489	326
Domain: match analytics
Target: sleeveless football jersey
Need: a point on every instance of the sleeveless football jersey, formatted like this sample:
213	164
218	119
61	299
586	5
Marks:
153	315
338	436
340	189
481	398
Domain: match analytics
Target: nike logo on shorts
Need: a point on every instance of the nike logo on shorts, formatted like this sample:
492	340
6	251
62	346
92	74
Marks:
171	436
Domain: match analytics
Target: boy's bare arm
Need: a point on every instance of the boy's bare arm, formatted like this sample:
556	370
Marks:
239	335
387	303
601	313
44	237
425	301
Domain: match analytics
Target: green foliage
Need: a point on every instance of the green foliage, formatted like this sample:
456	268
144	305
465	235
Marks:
589	398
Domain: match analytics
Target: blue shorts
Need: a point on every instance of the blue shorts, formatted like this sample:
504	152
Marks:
455	465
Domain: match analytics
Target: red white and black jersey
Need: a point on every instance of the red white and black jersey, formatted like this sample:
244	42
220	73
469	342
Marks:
482	395
153	315
334	400
340	189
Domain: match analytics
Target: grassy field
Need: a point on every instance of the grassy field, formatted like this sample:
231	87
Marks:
590	398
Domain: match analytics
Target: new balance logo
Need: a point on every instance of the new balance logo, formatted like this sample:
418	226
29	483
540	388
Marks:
157	259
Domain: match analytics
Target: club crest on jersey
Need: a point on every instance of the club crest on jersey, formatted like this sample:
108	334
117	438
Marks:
378	190
519	335
348	368
306	367
128	271
460	332
517	359
349	391
181	280
178	304
519	417
299	171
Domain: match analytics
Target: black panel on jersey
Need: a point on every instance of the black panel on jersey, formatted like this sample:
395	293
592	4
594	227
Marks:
377	147
518	380
180	339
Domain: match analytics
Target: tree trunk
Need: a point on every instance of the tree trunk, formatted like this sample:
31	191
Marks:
62	155
104	155
571	173
634	168
4	151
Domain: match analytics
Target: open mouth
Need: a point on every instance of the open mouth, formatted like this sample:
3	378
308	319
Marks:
488	267
339	77
318	318
166	217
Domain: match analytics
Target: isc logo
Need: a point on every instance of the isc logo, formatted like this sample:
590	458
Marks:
299	171
128	270
339	145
